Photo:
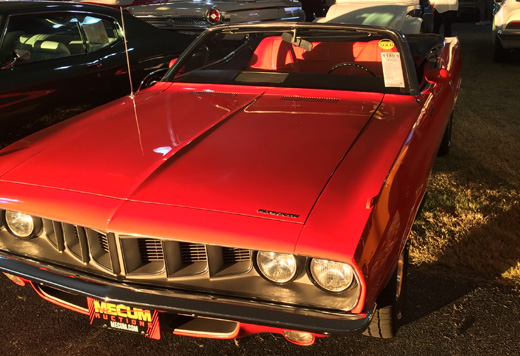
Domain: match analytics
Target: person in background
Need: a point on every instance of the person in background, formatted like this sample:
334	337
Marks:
486	12
444	13
313	9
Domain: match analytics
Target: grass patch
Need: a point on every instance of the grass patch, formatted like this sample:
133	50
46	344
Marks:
470	226
471	218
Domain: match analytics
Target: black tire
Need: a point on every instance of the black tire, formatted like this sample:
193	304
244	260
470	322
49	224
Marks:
390	303
444	148
501	54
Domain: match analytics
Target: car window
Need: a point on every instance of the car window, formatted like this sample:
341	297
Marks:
44	36
99	32
55	35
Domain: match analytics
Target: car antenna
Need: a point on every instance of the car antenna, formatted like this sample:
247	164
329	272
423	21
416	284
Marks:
130	78
119	3
126	53
122	3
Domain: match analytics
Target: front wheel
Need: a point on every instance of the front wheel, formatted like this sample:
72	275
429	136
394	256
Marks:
391	302
501	54
444	148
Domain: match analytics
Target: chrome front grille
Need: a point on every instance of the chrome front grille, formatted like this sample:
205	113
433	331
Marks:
143	257
157	265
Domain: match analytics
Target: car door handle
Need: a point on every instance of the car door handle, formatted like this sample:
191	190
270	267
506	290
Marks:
95	64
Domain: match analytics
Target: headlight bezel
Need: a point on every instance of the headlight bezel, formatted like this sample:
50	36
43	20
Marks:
300	263
314	280
304	267
36	221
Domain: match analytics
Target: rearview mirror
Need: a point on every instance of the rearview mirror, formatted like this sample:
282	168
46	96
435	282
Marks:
297	41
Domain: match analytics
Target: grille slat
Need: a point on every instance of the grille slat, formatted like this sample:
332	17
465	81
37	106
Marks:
232	255
191	253
151	250
103	242
76	241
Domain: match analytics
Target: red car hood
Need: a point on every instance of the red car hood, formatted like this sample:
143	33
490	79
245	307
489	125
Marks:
257	152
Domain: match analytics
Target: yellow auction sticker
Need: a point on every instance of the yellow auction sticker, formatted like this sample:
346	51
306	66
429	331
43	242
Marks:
386	44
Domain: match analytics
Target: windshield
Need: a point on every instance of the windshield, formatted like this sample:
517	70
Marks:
323	58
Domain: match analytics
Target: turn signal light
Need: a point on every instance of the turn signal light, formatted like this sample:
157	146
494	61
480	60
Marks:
15	279
299	337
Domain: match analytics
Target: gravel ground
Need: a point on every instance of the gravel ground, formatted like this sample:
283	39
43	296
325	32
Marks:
448	314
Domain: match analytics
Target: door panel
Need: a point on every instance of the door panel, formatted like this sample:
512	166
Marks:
71	57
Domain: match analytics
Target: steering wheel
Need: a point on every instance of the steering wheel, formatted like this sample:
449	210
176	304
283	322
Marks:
350	64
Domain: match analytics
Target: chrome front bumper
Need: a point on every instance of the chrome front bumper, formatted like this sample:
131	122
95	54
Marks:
185	303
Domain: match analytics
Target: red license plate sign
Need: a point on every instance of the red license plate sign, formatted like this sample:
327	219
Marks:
124	317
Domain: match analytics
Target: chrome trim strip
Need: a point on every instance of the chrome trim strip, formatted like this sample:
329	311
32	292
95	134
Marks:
58	300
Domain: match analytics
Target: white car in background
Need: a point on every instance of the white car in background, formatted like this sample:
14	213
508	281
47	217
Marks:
199	15
506	29
406	16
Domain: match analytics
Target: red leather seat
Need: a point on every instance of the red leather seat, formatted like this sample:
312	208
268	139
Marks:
369	55
274	54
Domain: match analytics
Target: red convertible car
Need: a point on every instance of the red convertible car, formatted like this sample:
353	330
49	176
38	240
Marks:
267	183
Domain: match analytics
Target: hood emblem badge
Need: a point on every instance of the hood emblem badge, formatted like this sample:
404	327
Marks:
277	213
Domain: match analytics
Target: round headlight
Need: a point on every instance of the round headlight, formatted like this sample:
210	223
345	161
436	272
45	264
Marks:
277	267
21	225
330	275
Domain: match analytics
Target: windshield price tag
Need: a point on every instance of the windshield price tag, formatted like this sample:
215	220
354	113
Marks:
392	69
124	317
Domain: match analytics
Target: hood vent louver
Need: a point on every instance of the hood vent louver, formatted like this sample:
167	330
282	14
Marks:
310	99
215	93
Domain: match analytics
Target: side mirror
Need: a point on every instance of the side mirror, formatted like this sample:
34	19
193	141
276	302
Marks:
151	78
172	62
20	55
437	75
